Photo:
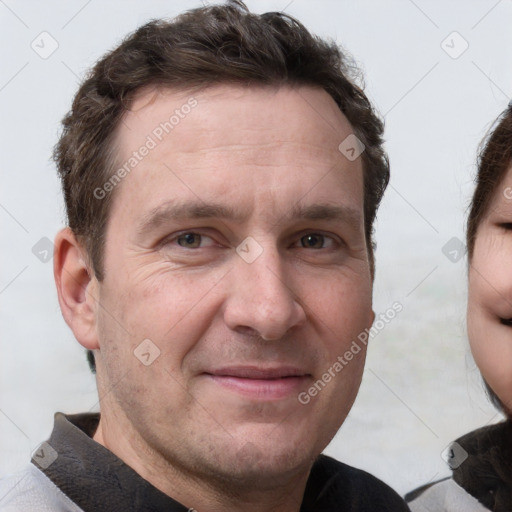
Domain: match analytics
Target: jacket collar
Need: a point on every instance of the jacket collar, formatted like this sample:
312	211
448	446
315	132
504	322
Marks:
96	479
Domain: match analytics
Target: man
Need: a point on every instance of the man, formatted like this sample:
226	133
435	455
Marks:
221	174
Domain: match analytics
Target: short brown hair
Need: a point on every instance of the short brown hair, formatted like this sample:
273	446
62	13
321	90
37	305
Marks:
494	160
203	47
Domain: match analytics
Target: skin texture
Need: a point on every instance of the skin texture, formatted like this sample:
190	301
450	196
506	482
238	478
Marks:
216	443
490	294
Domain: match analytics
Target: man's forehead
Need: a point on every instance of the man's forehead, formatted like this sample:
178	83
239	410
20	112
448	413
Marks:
235	141
253	107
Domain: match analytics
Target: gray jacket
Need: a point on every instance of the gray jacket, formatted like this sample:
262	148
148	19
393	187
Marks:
446	496
481	464
31	490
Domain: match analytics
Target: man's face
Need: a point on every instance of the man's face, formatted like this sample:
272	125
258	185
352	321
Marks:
236	246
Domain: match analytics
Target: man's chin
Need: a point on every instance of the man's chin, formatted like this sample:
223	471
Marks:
265	460
254	467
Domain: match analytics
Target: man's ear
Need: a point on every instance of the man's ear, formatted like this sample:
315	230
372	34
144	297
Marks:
76	288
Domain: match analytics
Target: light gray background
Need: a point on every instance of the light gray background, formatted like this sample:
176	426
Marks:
420	388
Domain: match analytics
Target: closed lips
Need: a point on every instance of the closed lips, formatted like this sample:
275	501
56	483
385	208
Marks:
259	373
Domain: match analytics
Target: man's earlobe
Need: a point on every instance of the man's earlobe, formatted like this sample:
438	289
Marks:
76	288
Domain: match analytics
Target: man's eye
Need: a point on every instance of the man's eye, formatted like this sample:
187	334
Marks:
189	240
315	241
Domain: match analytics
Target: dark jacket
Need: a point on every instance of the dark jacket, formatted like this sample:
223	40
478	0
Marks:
481	464
73	473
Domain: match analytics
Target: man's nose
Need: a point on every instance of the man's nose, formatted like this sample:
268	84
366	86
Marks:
261	300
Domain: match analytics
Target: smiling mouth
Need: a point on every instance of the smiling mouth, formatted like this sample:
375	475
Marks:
506	321
261	383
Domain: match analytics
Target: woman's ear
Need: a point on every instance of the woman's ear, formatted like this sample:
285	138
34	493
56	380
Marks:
76	288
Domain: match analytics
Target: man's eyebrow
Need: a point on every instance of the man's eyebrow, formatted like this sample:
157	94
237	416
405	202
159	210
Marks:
327	212
189	210
201	210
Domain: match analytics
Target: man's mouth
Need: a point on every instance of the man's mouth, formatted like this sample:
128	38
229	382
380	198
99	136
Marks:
261	383
506	321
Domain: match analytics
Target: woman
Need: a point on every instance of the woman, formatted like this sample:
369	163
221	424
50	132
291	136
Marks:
481	461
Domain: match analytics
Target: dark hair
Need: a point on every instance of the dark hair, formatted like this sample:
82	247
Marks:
202	47
494	160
